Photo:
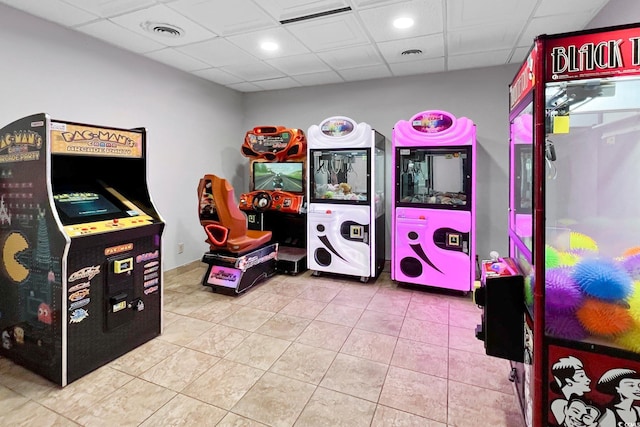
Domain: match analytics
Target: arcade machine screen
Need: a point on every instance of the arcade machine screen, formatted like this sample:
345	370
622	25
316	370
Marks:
340	175
283	176
80	206
435	177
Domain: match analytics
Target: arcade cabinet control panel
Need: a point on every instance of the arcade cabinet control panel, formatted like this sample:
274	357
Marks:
108	225
280	201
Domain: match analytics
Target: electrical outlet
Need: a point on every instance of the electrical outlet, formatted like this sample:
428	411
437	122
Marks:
180	248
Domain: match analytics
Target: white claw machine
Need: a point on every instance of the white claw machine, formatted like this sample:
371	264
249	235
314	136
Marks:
345	216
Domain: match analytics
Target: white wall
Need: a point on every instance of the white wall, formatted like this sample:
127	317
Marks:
194	126
481	95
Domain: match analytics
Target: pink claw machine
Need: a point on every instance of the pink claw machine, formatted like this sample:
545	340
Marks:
433	211
345	216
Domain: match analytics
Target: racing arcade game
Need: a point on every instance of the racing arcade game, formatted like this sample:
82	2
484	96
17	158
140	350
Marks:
276	201
81	246
239	257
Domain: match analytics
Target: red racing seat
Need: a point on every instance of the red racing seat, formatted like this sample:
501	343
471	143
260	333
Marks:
223	221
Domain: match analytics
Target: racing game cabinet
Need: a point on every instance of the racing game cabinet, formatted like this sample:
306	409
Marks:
238	257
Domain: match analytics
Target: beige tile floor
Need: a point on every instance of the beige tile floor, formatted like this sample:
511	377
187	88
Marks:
293	351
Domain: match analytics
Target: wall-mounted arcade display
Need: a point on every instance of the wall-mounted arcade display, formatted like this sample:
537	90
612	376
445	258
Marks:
81	246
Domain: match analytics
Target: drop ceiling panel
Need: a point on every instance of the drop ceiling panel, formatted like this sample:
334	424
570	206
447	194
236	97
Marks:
361	4
160	14
217	52
224	18
365	73
250	42
299	64
434	65
109	8
555	7
53	10
471	13
279	83
218	76
116	35
551	25
486	37
519	55
329	33
252	71
288	9
427	16
323	78
351	57
478	60
177	59
431	47
245	87
220	41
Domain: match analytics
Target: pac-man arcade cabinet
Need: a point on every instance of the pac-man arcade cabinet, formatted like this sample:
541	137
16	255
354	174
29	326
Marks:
80	239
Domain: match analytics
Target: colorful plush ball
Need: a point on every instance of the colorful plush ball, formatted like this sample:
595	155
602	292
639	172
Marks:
631	251
579	241
568	259
583	253
562	294
551	257
634	302
564	325
604	318
630	340
528	290
602	278
631	264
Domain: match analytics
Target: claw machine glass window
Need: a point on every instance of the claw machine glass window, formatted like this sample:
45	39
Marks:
340	176
435	177
379	177
521	191
592	209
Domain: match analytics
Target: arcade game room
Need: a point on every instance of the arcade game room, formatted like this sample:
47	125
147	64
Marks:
315	213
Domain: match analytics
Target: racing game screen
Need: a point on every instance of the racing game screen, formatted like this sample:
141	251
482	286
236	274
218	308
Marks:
284	176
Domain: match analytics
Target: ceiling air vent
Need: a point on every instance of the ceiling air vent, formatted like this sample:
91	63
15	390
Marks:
316	15
162	29
411	52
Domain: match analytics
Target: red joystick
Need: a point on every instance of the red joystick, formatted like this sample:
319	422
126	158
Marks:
115	220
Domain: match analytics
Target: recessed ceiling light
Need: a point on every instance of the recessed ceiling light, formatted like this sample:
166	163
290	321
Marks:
270	46
403	23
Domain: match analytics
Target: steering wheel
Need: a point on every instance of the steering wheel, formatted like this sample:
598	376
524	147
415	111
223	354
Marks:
261	201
